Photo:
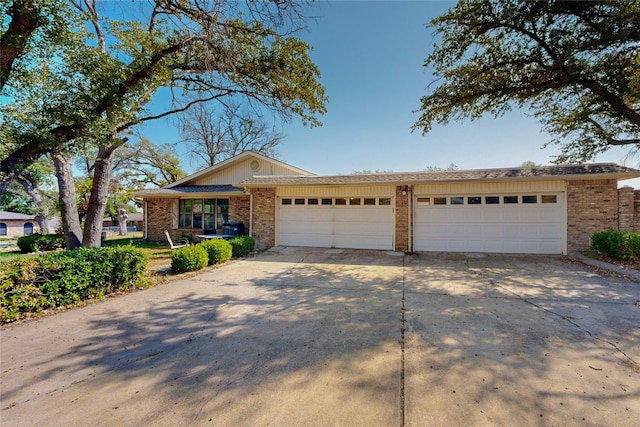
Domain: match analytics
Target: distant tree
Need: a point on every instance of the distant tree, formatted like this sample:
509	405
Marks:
142	164
369	171
214	136
574	64
528	164
451	167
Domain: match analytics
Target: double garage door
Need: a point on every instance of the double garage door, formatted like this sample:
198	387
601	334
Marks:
336	222
527	222
513	223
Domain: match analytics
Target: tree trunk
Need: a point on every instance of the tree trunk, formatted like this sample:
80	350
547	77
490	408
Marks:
98	198
43	223
67	197
28	183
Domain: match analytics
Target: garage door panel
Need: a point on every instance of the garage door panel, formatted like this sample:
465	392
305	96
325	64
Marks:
510	228
340	226
302	239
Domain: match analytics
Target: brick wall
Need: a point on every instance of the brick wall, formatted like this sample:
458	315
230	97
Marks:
636	210
264	217
159	218
626	209
240	210
402	218
592	206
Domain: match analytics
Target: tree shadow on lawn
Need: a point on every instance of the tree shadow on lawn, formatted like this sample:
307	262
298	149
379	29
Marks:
302	338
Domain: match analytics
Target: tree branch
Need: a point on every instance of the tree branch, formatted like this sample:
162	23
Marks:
24	22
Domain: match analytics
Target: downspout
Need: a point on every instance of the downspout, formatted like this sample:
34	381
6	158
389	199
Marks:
410	219
250	213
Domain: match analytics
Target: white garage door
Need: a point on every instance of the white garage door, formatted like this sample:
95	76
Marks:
336	222
513	223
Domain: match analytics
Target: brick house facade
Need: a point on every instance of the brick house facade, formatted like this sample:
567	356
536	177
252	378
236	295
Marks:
588	196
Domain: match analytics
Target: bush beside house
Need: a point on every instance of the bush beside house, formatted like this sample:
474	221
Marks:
189	258
617	244
242	245
40	242
34	284
218	250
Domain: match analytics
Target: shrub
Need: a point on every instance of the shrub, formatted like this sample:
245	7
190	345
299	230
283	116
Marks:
40	242
632	245
218	250
617	244
57	279
189	258
609	242
242	245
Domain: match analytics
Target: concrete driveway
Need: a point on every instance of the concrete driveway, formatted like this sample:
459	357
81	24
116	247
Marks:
338	337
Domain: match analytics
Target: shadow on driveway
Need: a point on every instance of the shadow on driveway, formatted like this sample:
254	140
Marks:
327	337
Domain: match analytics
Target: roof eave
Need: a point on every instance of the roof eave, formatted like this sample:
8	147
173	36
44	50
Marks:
310	182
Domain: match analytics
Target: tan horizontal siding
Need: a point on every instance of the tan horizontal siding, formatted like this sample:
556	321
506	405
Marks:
337	191
489	187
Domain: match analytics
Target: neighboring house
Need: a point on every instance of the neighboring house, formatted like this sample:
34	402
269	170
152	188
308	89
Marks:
547	209
135	219
14	224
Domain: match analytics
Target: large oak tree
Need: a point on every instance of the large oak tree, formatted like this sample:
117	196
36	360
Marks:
574	64
83	72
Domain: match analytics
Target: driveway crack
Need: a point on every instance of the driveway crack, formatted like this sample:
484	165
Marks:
567	319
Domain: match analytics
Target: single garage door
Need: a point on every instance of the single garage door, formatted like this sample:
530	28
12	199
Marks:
336	222
504	223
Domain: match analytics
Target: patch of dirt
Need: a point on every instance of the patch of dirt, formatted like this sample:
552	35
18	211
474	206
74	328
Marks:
624	263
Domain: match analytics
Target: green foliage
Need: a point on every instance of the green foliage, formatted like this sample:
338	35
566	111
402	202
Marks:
242	245
218	250
609	242
573	64
57	279
110	65
189	258
40	242
617	244
632	245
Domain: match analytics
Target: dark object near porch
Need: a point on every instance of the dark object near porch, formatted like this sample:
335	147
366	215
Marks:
210	231
233	228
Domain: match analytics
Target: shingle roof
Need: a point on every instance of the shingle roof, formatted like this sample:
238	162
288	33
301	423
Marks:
595	170
5	215
189	189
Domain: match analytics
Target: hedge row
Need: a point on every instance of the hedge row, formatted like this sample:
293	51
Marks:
617	244
34	284
210	252
40	242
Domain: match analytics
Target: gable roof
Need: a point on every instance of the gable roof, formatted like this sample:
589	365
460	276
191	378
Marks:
233	161
594	170
8	216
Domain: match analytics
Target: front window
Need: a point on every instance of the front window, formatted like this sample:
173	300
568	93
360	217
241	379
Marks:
28	228
3	229
203	213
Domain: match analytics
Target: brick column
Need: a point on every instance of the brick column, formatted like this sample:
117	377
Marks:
264	217
626	211
402	218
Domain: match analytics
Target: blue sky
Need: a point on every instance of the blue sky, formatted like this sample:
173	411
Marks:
370	55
